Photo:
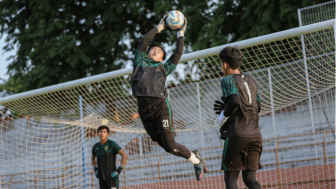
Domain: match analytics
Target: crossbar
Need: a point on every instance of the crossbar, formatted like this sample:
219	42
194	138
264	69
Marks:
186	57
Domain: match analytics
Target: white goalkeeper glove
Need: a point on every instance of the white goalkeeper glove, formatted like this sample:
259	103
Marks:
182	29
220	121
162	25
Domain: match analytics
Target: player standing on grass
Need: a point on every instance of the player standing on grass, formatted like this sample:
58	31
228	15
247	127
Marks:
148	86
238	122
106	151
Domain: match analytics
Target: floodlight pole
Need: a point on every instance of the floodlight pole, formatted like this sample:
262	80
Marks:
83	138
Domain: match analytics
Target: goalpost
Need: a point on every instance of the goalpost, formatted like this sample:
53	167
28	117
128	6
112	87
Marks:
47	137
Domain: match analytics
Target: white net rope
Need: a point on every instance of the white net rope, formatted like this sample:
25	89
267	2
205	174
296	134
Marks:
316	13
42	142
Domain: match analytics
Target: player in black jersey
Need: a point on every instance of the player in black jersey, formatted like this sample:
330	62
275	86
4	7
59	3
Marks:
148	86
238	122
105	167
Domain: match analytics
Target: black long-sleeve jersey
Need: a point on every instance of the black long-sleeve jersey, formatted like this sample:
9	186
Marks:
149	77
242	105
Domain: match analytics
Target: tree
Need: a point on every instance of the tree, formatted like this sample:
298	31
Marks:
233	20
64	40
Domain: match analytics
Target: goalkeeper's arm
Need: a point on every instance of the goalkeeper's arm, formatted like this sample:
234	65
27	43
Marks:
124	157
175	58
231	105
171	63
142	47
94	164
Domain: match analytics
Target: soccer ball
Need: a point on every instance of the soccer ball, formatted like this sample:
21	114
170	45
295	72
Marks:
175	19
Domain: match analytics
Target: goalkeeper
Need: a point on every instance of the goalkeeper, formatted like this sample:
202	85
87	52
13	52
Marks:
148	86
238	122
105	166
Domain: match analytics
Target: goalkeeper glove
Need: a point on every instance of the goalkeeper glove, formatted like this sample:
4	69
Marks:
219	106
162	25
116	173
220	121
182	29
95	168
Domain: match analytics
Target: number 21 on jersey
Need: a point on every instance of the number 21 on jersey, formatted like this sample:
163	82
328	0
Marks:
165	123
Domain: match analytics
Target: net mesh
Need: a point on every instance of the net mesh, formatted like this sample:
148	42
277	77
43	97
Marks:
42	142
316	13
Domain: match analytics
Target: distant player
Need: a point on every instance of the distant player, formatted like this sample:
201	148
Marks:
105	167
148	86
238	121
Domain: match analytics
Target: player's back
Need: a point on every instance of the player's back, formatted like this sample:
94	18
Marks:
244	122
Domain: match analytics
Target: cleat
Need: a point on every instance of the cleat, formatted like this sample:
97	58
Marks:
200	168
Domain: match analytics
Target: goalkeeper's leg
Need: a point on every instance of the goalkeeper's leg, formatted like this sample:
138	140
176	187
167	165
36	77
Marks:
250	179
167	141
230	179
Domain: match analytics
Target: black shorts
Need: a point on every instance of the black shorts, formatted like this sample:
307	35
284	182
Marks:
242	153
109	184
157	119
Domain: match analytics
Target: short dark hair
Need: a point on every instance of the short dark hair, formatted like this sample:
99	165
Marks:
231	55
156	44
103	127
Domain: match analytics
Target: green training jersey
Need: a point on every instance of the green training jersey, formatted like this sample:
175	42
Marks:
149	77
106	158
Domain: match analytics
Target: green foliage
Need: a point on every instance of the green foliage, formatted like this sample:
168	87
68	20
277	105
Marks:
64	40
234	20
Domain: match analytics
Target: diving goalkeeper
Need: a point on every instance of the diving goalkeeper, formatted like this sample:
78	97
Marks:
148	86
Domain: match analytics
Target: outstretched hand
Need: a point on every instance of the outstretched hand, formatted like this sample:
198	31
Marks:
162	25
180	32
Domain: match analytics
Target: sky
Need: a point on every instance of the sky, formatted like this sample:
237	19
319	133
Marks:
3	56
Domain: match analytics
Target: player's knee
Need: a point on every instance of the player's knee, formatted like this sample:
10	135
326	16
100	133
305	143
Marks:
169	147
248	179
249	176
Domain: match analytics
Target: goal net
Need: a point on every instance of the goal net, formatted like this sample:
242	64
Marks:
47	134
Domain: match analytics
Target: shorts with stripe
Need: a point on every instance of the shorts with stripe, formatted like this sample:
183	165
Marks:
242	153
157	119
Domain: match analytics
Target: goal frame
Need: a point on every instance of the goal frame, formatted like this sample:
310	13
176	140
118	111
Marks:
186	57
